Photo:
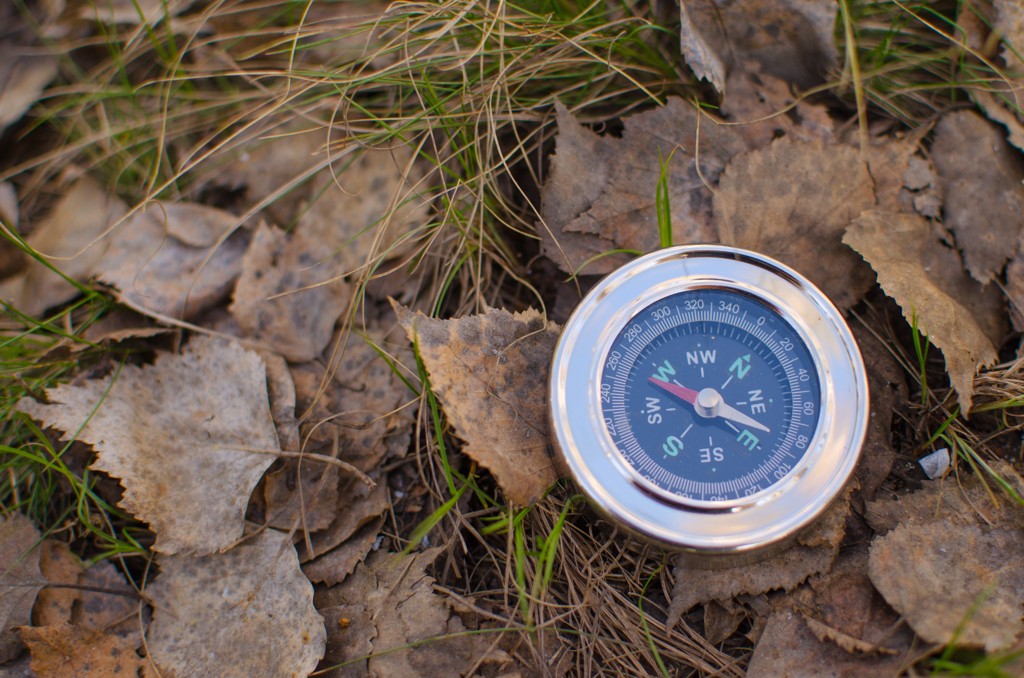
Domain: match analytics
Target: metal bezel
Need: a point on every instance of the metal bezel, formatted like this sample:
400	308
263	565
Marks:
726	527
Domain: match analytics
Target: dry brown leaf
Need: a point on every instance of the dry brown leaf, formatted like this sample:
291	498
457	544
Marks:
600	195
301	494
20	579
787	647
64	236
792	200
24	74
248	611
887	388
410	619
953	579
896	247
177	435
65	650
791	39
109	604
359	399
984	194
357	505
350	633
170	260
813	552
62	569
765	108
290	293
904	179
842	606
281	389
965	500
490	372
367	208
332	567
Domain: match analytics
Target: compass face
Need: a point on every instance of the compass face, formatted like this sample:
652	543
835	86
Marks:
710	395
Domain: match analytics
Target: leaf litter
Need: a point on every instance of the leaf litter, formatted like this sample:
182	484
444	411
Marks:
331	214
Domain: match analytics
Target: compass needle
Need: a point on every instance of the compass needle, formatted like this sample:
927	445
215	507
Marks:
688	394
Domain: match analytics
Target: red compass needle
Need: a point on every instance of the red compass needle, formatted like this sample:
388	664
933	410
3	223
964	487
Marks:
687	394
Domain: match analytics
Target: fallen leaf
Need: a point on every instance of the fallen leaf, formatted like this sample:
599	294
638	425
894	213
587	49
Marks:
65	237
62	569
953	580
177	435
20	579
887	389
791	39
248	611
120	324
174	259
600	195
763	108
360	399
984	194
843	607
720	622
417	633
66	650
895	245
792	201
813	552
281	389
490	372
24	74
301	495
965	500
350	633
787	647
369	207
903	178
333	567
109	604
287	297
356	506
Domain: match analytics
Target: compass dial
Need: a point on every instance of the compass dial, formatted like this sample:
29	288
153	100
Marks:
710	395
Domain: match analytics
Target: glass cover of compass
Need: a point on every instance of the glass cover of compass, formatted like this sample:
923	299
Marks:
709	398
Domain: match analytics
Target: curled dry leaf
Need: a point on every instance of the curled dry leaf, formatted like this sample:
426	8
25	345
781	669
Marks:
357	506
20	579
301	495
763	108
813	553
896	247
791	39
70	238
287	297
953	580
80	651
984	194
601	192
490	372
332	567
413	630
793	200
177	434
246	612
175	259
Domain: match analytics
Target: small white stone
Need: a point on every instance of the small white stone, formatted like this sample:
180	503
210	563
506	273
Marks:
935	464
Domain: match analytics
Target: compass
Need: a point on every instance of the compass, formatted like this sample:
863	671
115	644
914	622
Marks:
709	398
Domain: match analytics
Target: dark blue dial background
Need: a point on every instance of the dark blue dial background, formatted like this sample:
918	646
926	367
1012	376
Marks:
723	340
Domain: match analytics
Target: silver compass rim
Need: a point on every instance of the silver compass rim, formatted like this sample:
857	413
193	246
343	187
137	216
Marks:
590	457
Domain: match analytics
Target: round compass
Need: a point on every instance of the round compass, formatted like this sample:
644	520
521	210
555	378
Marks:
709	398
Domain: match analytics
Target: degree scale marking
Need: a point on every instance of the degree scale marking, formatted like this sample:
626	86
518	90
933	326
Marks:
677	325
